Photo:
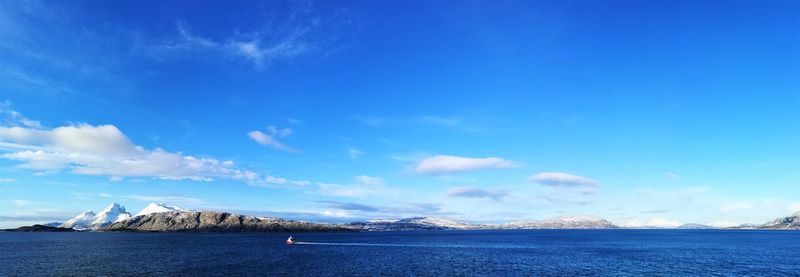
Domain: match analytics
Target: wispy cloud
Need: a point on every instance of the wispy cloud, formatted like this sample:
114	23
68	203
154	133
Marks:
471	192
10	117
21	203
560	179
174	200
349	206
270	138
444	164
351	209
449	122
362	186
672	176
652	222
354	153
305	33
32	216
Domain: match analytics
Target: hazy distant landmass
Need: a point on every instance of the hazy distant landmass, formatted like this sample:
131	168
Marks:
696	226
40	228
791	222
159	217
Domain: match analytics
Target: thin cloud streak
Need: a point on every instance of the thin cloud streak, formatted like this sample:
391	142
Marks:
445	164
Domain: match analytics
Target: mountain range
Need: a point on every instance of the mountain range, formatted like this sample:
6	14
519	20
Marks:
159	217
89	220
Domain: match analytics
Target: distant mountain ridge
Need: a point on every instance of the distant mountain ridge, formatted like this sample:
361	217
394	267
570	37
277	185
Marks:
39	228
431	223
562	222
160	217
412	223
696	226
208	221
791	222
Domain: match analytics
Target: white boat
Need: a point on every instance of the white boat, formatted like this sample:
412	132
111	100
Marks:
290	240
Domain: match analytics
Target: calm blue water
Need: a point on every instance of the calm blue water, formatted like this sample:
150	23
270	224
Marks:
537	252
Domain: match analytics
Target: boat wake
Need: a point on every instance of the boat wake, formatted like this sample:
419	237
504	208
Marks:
379	244
407	245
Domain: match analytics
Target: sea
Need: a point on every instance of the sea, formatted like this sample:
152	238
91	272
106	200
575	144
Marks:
406	253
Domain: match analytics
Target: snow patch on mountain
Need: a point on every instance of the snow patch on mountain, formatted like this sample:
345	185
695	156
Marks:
159	208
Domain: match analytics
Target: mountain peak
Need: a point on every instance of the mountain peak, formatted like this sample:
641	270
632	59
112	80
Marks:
113	207
112	213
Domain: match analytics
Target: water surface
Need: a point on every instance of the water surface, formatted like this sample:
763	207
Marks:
539	252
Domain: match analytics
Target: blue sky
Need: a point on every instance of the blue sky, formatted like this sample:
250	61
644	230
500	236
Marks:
642	112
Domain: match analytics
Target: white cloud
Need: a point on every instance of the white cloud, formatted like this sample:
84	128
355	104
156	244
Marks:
471	192
105	151
270	138
7	180
443	164
560	179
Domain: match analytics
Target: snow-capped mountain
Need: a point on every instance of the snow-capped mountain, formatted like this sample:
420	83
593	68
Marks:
413	223
159	208
89	220
562	222
113	213
209	221
81	221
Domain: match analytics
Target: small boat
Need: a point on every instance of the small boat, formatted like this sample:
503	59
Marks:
290	240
